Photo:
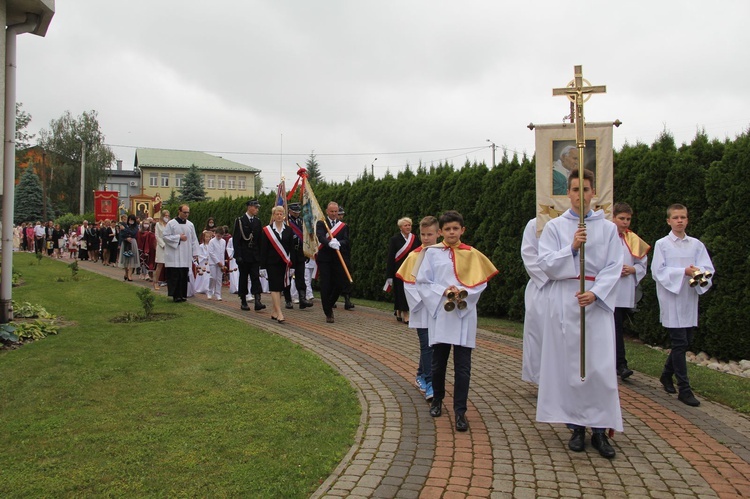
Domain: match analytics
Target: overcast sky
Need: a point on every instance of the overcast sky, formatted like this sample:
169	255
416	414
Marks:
401	81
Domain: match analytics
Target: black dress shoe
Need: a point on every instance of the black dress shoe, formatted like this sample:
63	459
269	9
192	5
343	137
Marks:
688	398
436	408
305	304
329	319
461	423
577	442
625	373
666	382
289	305
600	442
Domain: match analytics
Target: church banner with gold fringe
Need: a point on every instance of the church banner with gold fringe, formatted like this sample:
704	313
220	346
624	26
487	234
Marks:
105	205
557	154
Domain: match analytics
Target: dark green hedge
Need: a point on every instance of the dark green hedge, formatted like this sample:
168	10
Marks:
711	178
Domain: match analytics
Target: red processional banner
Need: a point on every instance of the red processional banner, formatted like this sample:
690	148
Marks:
105	205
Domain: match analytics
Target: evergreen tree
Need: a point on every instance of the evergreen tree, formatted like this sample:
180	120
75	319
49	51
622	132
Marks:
192	186
28	199
313	170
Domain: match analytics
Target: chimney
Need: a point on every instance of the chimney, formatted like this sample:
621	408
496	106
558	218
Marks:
119	165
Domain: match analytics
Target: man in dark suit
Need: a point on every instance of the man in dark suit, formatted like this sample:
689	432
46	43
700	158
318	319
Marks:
297	256
331	273
246	239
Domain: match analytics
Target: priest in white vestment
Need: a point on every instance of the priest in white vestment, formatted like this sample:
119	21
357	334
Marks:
181	249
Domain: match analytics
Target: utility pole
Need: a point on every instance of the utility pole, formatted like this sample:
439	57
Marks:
493	147
83	175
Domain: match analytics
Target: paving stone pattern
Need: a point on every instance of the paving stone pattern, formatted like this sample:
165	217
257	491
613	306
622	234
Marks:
667	449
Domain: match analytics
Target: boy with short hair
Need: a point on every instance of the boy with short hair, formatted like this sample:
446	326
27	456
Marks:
419	318
564	397
634	261
677	259
450	279
216	247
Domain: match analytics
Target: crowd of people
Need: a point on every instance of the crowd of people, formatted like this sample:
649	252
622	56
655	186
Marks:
436	288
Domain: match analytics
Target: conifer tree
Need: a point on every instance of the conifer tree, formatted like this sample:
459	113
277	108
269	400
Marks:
313	170
28	199
192	186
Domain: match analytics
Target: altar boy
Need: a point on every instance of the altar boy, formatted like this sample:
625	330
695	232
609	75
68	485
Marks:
446	270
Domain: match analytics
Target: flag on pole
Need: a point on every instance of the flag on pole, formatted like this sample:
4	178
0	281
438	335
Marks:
311	213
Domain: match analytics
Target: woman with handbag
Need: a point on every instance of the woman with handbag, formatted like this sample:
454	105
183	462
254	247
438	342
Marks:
129	259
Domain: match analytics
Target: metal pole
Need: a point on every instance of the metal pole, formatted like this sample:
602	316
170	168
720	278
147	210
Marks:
9	164
83	176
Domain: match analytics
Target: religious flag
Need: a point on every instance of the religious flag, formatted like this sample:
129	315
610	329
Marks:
557	154
311	213
105	205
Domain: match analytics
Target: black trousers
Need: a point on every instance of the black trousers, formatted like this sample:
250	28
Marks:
621	361
676	363
461	369
249	270
177	282
331	278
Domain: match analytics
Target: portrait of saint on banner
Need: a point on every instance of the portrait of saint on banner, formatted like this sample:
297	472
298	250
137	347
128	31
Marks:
565	160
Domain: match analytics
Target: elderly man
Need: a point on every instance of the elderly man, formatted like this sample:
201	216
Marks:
246	238
333	237
180	251
561	170
39	235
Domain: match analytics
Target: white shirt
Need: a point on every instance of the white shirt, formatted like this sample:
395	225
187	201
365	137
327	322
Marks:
678	302
625	287
179	253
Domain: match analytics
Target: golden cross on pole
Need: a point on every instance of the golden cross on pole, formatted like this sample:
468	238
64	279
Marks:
578	91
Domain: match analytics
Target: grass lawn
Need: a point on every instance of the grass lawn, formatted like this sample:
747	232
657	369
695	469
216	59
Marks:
199	405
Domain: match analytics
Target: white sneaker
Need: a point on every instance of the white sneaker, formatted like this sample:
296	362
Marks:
295	301
218	298
210	296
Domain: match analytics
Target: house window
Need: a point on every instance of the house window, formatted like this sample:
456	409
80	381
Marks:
222	182
231	182
153	180
165	179
241	183
178	179
212	182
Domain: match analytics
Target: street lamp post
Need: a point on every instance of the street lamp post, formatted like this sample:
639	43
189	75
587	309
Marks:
493	147
372	167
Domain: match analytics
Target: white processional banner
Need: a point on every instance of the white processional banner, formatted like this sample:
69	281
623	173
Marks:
557	154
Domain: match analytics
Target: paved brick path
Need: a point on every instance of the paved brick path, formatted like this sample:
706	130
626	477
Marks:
667	450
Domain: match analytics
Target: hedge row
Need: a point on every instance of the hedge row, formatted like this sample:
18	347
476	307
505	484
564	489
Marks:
711	178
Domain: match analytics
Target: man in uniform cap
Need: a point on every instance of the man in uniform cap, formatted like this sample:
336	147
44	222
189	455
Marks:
246	239
297	255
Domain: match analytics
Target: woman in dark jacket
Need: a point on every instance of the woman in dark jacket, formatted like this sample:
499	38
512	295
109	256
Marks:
399	247
129	248
275	248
